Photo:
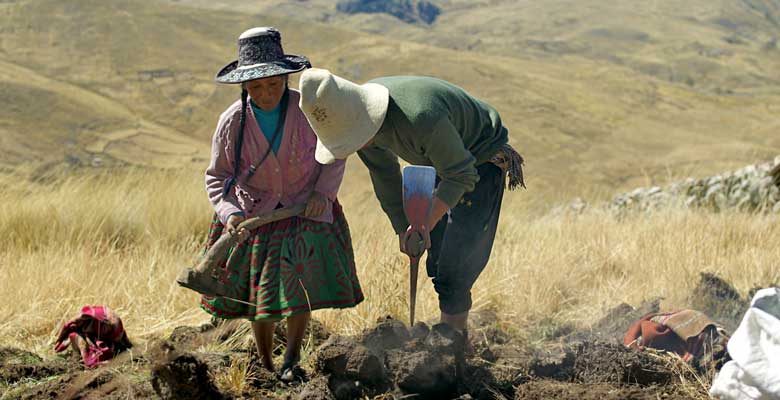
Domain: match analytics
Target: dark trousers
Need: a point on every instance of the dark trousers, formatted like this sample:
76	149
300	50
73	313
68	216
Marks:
462	241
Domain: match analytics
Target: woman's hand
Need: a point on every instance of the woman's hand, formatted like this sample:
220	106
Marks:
232	227
316	205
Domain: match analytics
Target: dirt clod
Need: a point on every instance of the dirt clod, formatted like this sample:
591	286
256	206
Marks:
480	383
719	300
16	364
419	331
264	379
346	389
185	335
558	365
181	375
430	374
617	320
316	389
345	358
545	389
388	334
599	362
603	362
445	339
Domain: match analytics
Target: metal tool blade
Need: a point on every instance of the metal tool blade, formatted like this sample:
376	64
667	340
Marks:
418	185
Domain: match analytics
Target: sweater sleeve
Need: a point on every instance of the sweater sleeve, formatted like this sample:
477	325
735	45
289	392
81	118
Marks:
453	162
386	177
221	169
330	178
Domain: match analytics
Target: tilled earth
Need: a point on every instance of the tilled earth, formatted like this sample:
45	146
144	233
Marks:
388	361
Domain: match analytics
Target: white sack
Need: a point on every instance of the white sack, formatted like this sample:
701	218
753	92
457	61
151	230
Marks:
754	373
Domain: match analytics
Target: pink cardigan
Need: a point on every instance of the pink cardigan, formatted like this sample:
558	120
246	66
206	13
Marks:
287	177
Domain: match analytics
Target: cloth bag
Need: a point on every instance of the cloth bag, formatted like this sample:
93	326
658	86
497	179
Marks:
754	372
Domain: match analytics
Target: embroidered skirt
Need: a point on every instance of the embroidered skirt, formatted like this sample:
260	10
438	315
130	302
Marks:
288	267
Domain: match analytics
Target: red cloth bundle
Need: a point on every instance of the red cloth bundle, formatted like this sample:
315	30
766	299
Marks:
688	333
97	334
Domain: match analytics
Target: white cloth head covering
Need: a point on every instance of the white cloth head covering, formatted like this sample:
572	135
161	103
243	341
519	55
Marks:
344	115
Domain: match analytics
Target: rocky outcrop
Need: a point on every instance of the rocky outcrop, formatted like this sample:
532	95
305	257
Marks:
754	188
409	11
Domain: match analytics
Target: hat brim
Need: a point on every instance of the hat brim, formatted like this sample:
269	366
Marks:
291	63
323	155
376	99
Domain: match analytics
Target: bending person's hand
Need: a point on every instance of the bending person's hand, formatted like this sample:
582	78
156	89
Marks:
413	243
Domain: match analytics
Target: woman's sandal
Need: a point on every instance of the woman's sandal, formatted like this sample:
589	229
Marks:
291	371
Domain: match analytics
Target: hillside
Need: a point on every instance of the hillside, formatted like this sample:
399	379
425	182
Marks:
719	46
132	81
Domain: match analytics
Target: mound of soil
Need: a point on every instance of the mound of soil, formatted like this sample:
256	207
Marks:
388	360
719	300
390	334
67	379
604	362
616	322
347	359
16	364
180	375
429	374
545	390
613	363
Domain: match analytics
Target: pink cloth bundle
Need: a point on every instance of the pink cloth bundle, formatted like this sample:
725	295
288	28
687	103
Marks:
97	334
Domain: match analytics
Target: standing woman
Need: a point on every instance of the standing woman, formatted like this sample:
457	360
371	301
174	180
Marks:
262	159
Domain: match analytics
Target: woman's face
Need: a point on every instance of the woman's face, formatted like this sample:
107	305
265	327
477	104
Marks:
267	92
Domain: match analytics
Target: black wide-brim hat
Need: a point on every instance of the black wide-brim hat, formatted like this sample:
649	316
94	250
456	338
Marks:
260	55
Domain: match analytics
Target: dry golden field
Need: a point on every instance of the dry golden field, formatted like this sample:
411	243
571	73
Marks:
119	237
108	107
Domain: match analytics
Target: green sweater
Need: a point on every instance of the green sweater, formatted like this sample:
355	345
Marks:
430	122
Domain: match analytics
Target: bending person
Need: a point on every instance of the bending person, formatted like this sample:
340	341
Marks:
424	121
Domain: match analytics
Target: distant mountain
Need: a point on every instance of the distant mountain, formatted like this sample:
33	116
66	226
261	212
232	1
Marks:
716	46
409	11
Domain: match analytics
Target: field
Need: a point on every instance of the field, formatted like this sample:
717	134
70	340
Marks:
109	106
120	237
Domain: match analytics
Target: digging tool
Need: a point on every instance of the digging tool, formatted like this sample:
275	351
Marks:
204	278
419	182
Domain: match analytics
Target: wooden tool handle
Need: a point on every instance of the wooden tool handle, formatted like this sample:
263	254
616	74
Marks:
218	253
413	268
273	216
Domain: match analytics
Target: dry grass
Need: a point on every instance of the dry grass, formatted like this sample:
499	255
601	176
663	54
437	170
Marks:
120	237
237	376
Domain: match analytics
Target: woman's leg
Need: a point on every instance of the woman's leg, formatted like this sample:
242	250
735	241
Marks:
296	328
264	339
